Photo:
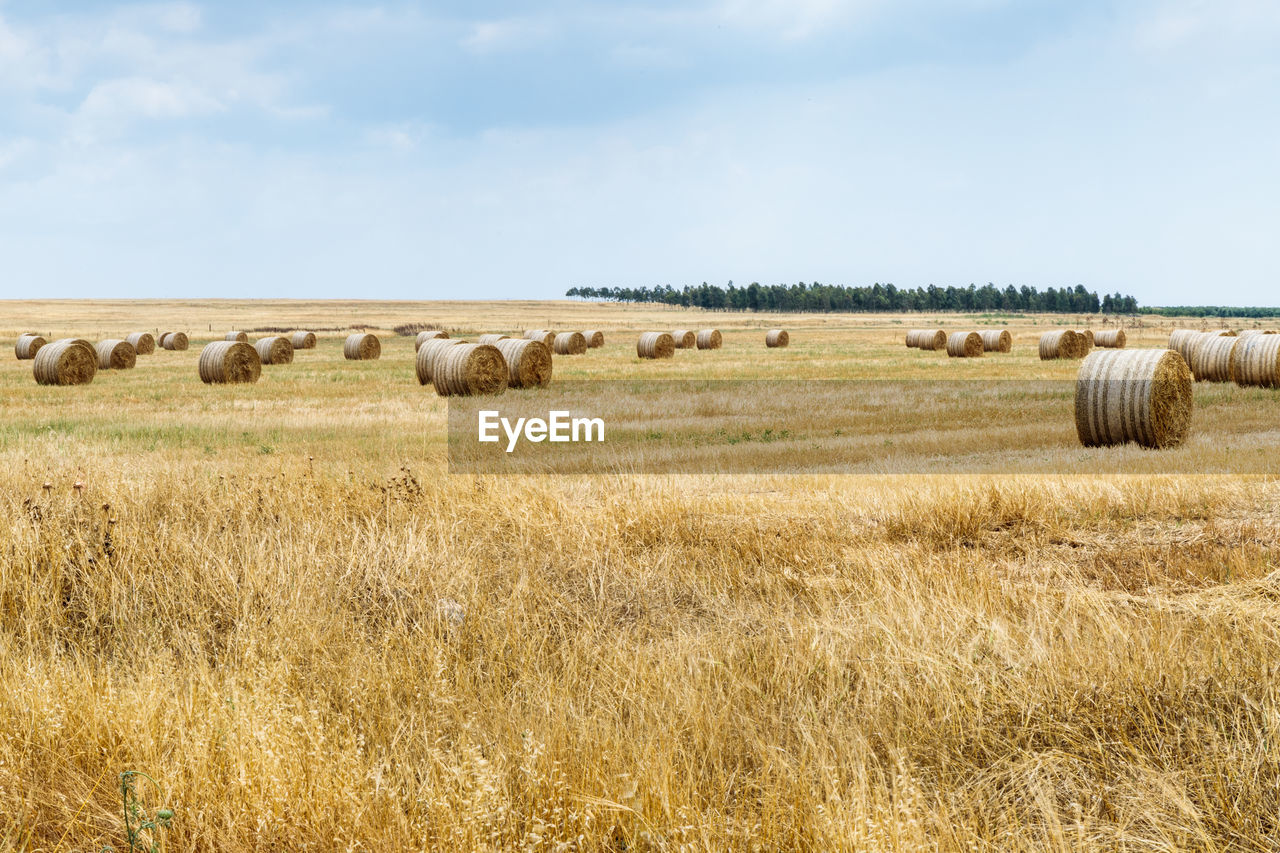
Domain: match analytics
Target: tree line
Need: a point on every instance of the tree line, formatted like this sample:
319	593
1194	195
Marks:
1213	311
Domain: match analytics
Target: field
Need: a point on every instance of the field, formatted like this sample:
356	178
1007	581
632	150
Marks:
277	601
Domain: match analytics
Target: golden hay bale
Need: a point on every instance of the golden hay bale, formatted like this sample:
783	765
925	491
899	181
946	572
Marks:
1141	395
1063	343
176	341
229	362
1213	358
493	339
1087	334
429	335
996	340
548	338
274	350
569	343
160	339
528	362
964	345
361	347
595	338
1110	339
655	345
142	342
115	354
709	339
236	336
27	346
69	361
1257	361
469	369
1184	340
776	338
303	340
424	362
685	338
928	339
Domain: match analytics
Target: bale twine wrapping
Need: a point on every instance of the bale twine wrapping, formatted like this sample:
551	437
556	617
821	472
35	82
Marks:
424	362
709	339
469	370
176	341
493	339
776	338
1063	343
115	354
1110	339
548	338
528	362
69	361
595	338
303	340
229	362
1185	340
27	346
996	340
685	338
236	336
429	335
964	345
274	350
1257	361
143	343
930	339
656	345
361	347
1213	359
1141	395
569	343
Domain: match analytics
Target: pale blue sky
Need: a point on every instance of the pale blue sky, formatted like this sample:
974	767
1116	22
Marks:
515	149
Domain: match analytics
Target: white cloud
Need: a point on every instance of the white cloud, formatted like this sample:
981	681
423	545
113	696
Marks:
507	34
141	96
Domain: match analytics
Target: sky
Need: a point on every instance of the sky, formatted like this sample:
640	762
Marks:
515	149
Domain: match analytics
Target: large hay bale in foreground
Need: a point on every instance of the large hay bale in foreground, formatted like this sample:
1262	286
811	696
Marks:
469	370
685	338
996	340
424	361
361	347
709	339
1257	361
569	343
142	342
229	362
236	336
1141	395
528	362
1110	339
115	354
303	340
1184	340
927	339
964	345
1063	343
176	341
548	338
655	345
274	350
595	338
493	339
775	338
1213	358
70	361
428	335
27	346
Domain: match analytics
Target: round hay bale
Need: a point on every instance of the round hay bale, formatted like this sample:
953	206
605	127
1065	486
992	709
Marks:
361	347
528	362
160	339
964	345
709	339
1249	333
424	362
595	338
569	343
229	362
236	336
490	340
1141	395
27	346
1087	334
143	343
1063	343
655	345
176	341
274	350
1257	361
548	338
685	338
70	361
928	339
775	338
1110	339
1184	340
303	340
1213	358
469	370
429	335
996	340
115	354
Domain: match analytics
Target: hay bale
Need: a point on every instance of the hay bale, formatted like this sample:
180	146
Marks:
775	338
1249	333
142	342
424	362
1257	361
1087	334
303	340
176	341
274	350
569	343
469	370
655	345
1110	339
685	338
996	340
595	338
1213	358
160	339
229	362
964	345
490	340
1184	340
1141	395
70	361
927	339
548	338
528	362
429	335
1063	343
115	354
709	339
361	347
27	346
236	336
